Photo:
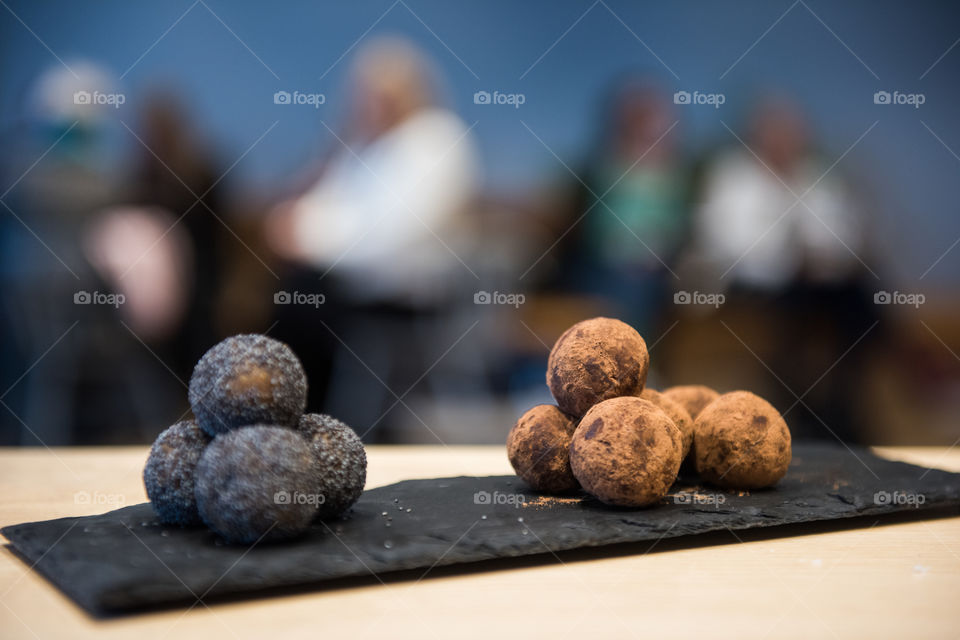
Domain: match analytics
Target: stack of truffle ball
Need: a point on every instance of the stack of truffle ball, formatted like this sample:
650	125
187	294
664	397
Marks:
251	465
623	443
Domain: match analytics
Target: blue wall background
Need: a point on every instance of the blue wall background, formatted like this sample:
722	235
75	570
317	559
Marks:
490	45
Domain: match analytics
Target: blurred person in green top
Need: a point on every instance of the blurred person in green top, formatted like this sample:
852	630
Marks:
635	199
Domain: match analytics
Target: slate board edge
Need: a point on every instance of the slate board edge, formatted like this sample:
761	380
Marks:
943	485
82	598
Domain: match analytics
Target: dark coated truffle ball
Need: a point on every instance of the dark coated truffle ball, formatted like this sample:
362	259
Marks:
692	397
626	452
741	442
170	472
247	379
341	462
538	448
676	412
257	482
595	360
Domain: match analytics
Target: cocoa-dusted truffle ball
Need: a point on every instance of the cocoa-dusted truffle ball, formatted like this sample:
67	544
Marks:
538	448
692	397
595	360
257	482
626	452
341	462
247	379
741	442
676	412
170	471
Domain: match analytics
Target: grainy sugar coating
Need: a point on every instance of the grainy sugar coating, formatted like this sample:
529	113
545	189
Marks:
692	397
626	452
595	360
676	412
247	379
538	448
341	462
170	472
741	442
257	481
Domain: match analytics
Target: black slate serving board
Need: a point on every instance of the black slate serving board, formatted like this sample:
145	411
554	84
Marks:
125	560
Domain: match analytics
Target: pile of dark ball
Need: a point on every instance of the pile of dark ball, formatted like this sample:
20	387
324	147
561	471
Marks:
250	465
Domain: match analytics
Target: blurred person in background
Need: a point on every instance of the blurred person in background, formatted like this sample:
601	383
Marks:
73	371
161	250
620	249
379	233
175	170
750	219
782	231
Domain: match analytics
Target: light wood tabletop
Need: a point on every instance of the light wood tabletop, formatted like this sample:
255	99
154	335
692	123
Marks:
897	578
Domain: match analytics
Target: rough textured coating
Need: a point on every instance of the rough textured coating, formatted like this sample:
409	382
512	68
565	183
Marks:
692	397
257	482
676	412
538	447
626	452
741	442
596	360
247	379
170	471
341	460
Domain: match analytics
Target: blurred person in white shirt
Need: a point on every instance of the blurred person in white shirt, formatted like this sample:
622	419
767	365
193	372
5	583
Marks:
750	222
800	265
387	215
382	234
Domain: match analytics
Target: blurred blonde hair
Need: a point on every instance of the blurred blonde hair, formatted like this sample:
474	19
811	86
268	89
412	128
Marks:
396	70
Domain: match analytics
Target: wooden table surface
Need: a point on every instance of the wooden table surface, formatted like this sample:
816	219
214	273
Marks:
897	579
